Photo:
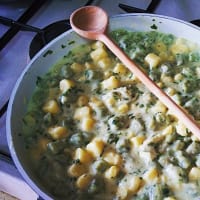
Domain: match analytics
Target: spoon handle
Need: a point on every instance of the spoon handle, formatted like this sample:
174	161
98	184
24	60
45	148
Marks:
179	112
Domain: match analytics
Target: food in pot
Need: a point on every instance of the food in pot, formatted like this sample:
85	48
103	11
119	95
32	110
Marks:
93	131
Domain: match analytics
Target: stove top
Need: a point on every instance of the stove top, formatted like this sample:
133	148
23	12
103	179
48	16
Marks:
17	46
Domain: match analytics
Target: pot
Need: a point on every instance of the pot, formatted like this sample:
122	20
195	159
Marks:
49	55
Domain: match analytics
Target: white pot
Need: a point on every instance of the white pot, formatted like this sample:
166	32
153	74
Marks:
40	64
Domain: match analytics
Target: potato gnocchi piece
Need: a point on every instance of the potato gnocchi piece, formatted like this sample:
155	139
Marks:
112	172
98	54
87	124
51	106
152	60
120	69
194	174
76	170
82	112
151	175
58	132
110	83
83	156
65	85
77	67
137	140
112	158
95	147
129	186
82	100
104	63
83	181
169	198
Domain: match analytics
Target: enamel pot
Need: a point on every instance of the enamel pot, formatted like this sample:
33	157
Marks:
50	55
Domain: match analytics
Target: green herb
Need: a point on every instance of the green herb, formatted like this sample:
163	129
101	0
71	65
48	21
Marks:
49	52
97	90
121	122
63	46
131	116
117	96
39	80
77	161
141	105
113	138
71	42
154	26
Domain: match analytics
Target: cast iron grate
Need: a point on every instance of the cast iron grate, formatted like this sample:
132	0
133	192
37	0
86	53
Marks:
50	32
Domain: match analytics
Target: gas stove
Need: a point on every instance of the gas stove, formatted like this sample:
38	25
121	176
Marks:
26	26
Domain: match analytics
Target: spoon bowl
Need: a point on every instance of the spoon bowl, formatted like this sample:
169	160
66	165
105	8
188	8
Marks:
89	22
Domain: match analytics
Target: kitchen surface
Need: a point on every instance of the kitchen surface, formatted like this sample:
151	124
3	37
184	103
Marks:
16	48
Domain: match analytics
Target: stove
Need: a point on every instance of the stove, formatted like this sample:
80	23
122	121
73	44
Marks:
18	44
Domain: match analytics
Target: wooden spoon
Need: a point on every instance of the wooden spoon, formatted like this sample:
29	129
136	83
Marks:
91	22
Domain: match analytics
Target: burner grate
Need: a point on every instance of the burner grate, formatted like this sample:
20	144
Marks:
34	7
47	34
50	32
150	9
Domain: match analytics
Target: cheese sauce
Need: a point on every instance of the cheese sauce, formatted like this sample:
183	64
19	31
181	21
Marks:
93	130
